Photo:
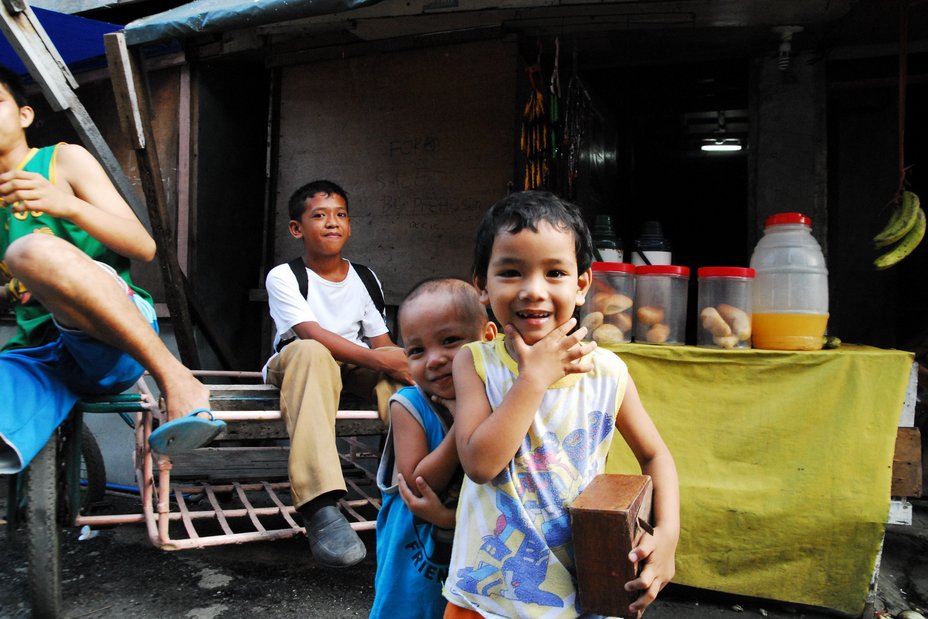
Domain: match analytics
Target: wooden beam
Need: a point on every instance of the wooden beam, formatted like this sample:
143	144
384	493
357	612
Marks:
183	168
133	107
123	80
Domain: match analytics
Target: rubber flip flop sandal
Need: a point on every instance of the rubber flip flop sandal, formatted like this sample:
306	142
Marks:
186	433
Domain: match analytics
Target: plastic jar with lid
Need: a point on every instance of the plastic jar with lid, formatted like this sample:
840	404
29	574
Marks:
609	307
791	287
660	304
724	307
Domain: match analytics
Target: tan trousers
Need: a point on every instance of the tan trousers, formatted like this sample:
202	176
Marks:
310	382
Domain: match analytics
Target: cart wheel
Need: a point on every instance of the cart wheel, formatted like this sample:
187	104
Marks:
42	532
93	470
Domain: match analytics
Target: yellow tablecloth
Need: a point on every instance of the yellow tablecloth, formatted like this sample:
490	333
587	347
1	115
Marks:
785	460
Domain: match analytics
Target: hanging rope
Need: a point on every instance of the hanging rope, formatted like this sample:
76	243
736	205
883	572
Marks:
903	78
554	112
576	118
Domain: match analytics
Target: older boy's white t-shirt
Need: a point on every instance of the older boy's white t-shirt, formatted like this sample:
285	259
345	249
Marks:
344	308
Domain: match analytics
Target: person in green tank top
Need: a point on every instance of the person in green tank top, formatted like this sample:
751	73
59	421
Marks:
66	240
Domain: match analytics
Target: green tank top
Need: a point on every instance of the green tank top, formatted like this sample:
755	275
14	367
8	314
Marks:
34	323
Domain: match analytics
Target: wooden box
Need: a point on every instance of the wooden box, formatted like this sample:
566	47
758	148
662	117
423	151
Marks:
605	525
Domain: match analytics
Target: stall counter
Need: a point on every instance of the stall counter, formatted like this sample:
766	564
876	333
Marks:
785	462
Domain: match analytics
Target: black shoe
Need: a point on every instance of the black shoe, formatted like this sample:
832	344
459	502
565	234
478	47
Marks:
332	540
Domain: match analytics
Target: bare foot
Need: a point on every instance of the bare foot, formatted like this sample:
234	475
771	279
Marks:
184	394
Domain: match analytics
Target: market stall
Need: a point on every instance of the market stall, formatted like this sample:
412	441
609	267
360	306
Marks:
785	461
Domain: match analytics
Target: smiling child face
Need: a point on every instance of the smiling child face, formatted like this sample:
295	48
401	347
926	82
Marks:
434	329
533	281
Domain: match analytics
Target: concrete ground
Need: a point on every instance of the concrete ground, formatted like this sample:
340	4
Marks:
118	574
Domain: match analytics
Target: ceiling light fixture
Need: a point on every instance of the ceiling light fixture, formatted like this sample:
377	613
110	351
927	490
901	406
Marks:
719	143
729	145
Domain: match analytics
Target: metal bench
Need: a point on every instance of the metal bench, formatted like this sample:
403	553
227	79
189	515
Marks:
235	489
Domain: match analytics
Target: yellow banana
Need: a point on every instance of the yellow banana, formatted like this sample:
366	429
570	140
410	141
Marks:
900	222
906	244
879	240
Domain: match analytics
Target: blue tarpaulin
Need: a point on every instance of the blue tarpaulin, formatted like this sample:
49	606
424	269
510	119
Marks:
78	40
219	15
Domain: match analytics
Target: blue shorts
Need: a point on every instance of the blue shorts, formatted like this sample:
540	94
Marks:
39	386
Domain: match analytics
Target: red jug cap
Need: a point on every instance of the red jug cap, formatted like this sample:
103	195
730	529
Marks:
788	218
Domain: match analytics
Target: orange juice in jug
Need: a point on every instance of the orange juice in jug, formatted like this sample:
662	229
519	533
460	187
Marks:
788	331
790	293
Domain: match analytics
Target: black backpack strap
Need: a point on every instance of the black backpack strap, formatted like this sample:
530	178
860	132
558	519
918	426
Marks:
299	271
367	276
373	288
302	280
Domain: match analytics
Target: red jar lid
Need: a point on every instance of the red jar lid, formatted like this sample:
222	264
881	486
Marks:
788	218
725	272
662	269
614	267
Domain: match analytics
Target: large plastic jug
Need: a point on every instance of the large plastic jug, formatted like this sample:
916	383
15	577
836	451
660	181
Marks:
791	287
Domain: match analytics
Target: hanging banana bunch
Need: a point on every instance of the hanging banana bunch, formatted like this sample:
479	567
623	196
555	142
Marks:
534	139
904	231
906	226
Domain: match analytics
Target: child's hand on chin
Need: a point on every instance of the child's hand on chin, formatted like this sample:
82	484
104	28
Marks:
554	356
